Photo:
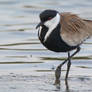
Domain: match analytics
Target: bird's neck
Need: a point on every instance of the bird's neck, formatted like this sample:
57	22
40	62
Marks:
53	35
52	25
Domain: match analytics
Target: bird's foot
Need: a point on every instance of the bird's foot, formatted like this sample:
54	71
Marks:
57	82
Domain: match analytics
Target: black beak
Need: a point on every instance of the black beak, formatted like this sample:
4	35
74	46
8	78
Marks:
40	24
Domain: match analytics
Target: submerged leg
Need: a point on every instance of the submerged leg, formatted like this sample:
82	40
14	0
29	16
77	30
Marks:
58	72
58	69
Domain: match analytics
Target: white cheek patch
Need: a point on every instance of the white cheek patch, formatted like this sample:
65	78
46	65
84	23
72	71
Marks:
39	31
51	24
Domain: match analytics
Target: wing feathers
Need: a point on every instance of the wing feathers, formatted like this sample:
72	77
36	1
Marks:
74	30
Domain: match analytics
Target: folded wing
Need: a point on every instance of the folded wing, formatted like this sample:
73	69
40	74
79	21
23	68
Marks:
75	30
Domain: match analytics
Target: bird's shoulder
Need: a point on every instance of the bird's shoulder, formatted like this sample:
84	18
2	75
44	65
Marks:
72	22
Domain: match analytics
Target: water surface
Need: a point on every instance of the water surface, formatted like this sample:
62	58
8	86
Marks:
21	52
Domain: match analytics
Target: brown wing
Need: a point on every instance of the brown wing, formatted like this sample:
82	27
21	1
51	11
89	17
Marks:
75	30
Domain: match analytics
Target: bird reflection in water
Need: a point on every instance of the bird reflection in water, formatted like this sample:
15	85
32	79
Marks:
58	86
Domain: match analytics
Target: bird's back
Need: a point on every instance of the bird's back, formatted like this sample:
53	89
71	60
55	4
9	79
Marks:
75	30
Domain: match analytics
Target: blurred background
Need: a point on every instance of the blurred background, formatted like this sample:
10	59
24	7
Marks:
22	52
18	37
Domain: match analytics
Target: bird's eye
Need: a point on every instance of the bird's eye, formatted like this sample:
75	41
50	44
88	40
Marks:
49	18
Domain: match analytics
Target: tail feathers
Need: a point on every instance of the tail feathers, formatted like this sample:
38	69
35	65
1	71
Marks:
88	21
89	25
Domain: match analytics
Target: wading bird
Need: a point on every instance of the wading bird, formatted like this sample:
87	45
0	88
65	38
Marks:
63	32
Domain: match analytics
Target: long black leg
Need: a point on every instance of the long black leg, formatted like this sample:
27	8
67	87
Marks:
68	66
67	86
67	73
58	70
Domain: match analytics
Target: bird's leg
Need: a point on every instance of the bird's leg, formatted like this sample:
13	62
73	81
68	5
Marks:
58	72
68	66
58	69
67	86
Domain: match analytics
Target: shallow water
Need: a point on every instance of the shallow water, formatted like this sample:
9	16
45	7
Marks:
24	61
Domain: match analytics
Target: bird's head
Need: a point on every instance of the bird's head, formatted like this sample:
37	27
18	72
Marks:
49	19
